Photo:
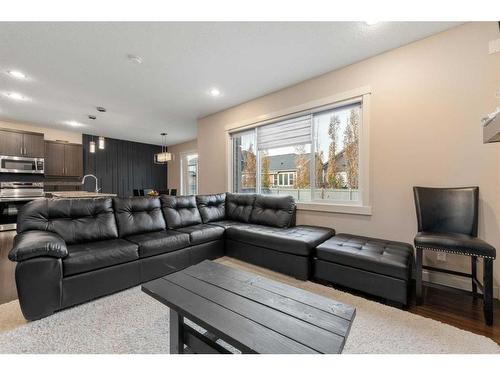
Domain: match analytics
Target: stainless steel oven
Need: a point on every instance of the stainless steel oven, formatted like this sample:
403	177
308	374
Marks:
13	196
20	164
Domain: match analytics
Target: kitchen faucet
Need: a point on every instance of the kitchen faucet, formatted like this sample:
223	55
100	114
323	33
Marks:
97	189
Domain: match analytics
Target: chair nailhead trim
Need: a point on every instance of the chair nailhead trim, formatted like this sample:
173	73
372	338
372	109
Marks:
454	252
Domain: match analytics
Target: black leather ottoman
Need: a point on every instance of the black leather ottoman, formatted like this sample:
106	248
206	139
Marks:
375	266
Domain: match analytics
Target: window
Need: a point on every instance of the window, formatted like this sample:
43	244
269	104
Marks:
244	162
313	157
189	174
336	154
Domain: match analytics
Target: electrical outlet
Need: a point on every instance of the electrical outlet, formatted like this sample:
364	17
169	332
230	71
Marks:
498	93
441	257
494	46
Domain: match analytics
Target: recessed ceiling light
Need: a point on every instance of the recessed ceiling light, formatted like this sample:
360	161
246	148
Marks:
16	74
134	58
214	92
371	23
15	96
101	109
73	123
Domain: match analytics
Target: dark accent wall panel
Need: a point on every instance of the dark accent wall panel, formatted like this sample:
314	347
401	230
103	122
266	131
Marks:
123	166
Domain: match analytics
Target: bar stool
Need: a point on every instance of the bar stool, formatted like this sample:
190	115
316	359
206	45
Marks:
447	222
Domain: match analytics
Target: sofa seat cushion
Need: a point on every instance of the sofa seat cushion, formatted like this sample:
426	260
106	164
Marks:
202	233
227	223
455	243
155	243
299	240
91	256
384	257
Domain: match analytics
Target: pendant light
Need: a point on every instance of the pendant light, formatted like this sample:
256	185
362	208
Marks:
92	146
163	157
101	143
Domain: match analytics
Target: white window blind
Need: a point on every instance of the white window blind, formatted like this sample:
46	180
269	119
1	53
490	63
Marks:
290	132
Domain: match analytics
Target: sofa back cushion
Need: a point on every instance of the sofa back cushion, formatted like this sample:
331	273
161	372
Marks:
75	220
212	207
138	215
180	211
239	206
274	211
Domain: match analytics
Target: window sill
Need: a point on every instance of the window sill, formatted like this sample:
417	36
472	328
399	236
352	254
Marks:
335	208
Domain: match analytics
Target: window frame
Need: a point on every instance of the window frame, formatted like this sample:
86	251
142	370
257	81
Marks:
182	165
361	95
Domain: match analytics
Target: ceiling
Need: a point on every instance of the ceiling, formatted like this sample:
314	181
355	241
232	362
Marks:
73	67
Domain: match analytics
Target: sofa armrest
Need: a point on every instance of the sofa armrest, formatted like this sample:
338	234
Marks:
37	243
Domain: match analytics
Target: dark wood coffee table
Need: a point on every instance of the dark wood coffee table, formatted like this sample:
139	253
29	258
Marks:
251	313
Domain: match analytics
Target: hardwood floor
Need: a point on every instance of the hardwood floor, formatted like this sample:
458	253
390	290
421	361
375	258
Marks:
458	309
7	284
443	304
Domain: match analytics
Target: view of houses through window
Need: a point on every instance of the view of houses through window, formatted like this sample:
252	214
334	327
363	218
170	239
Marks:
323	166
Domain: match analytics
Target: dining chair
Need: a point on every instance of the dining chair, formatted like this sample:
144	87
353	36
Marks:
448	222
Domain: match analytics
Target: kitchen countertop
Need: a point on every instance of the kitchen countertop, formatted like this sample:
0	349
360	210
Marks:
77	194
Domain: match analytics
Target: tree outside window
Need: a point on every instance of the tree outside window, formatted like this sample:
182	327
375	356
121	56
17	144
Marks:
286	170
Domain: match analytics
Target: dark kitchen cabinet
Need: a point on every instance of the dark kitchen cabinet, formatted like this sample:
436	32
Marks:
11	143
34	145
19	143
63	159
54	159
73	160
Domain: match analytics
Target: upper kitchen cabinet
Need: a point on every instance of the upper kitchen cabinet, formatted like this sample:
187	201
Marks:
34	145
11	143
54	158
73	160
19	143
63	159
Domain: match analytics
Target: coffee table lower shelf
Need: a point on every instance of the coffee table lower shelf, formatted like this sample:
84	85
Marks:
184	339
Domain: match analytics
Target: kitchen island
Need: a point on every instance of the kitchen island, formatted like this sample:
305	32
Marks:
77	194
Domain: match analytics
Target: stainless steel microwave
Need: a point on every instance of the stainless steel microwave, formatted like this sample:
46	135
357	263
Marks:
20	164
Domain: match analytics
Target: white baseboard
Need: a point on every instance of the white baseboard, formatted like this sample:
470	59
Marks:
453	281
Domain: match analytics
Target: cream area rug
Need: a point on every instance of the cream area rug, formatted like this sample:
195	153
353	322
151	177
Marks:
133	322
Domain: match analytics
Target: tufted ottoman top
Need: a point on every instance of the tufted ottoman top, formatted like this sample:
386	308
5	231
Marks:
385	257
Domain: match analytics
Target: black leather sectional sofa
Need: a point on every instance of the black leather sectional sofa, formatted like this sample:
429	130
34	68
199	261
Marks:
70	251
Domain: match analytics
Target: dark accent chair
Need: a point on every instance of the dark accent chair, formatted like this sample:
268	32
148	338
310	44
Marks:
447	222
138	192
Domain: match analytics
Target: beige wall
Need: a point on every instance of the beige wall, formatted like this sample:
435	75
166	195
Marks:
427	99
50	134
174	166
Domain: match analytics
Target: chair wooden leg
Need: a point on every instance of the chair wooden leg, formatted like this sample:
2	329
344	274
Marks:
474	275
418	275
488	291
